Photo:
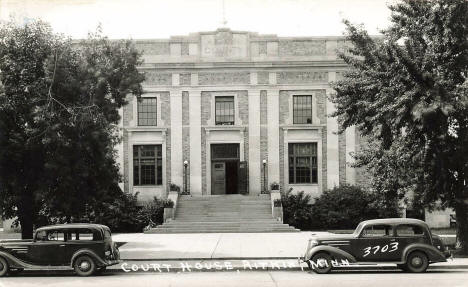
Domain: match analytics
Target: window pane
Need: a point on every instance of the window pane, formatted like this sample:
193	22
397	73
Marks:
147	165
147	112
302	109
303	163
224	110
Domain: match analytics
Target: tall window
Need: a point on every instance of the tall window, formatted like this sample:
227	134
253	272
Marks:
302	109
302	162
147	112
147	165
224	107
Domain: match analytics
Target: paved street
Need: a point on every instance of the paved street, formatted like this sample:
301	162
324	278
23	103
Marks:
380	278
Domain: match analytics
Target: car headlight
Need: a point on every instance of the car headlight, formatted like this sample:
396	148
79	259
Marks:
313	243
107	253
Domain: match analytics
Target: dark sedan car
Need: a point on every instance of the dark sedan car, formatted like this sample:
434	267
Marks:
404	241
86	248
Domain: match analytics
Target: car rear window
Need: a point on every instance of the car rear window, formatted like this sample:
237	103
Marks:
377	231
409	230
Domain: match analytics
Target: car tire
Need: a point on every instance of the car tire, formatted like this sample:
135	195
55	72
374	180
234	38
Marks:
3	267
84	266
320	263
417	262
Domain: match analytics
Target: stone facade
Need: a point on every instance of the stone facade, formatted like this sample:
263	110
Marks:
262	73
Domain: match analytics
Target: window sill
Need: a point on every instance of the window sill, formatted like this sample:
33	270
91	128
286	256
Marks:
146	129
302	127
225	127
148	186
303	184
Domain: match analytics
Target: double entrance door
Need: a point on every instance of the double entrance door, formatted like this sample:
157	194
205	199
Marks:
226	169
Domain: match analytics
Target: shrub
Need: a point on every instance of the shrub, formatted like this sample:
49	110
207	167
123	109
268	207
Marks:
297	210
344	207
174	187
124	214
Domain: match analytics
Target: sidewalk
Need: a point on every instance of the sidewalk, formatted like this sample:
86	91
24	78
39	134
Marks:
212	245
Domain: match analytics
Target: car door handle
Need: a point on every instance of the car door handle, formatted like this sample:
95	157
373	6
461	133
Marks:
62	245
393	239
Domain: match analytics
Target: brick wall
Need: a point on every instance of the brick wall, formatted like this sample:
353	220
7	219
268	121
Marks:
342	157
263	134
126	118
186	137
166	119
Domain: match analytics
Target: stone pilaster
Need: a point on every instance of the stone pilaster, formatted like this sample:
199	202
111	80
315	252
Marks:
195	143
333	172
254	143
176	138
273	136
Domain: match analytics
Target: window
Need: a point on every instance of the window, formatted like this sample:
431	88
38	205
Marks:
83	235
50	235
303	163
147	112
302	109
224	108
409	230
147	165
377	231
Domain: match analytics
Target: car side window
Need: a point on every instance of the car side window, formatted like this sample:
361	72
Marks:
54	235
376	231
81	235
410	230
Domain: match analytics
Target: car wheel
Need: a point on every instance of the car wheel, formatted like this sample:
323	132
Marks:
3	267
84	266
417	262
320	263
402	267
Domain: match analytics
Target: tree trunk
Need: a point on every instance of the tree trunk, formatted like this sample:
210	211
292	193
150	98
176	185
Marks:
25	215
461	211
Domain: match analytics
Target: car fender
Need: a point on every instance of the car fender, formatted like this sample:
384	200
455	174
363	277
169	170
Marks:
16	262
336	253
433	254
92	254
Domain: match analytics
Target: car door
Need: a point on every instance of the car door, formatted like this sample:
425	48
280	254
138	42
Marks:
376	243
48	249
407	234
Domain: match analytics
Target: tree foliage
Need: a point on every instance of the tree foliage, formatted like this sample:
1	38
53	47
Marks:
407	92
59	117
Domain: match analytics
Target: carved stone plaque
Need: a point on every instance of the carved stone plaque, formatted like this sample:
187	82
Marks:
224	44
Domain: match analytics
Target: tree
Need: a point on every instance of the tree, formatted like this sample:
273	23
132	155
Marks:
407	92
59	117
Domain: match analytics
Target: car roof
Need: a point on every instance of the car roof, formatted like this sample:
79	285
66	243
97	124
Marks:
395	221
74	226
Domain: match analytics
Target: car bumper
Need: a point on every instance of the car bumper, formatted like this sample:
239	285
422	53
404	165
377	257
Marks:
448	254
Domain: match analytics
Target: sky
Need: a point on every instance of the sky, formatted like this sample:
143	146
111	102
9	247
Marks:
153	19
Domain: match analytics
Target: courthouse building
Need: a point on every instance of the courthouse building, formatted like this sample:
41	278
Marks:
228	112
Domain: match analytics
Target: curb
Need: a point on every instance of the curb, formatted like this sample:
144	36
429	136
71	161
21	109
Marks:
188	266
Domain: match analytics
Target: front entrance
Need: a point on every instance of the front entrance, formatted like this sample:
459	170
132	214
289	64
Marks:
225	168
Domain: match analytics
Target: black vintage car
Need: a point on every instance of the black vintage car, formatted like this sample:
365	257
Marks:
86	248
404	241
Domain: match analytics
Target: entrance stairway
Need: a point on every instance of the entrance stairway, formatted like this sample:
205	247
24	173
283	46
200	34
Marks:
223	214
